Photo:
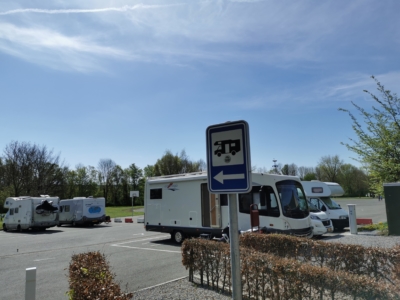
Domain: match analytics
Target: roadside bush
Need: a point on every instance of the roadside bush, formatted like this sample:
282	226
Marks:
90	278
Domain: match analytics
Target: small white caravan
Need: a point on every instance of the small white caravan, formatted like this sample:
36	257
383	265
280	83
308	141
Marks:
320	193
30	212
81	210
182	206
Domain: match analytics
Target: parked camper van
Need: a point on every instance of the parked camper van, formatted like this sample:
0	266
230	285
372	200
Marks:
320	193
319	220
182	206
30	212
81	210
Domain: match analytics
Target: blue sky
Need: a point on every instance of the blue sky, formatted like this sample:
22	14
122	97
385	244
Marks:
128	80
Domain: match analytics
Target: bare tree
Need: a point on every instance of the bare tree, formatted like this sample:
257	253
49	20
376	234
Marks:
105	172
329	167
32	170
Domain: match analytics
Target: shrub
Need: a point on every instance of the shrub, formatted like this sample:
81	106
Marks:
90	278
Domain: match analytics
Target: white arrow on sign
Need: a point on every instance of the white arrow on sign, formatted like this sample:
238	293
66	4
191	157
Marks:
220	177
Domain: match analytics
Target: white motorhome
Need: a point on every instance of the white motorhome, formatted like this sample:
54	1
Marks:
81	211
30	212
320	193
182	206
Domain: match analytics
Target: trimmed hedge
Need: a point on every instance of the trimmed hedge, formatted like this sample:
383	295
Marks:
382	264
90	278
268	276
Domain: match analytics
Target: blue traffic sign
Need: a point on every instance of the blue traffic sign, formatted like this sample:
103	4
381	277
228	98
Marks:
228	157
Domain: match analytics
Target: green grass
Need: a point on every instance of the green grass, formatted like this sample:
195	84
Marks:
382	227
123	211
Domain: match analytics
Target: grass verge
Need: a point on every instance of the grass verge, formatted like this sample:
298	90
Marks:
382	227
123	211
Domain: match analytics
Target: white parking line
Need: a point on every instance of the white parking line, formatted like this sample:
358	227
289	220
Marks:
44	259
151	249
146	239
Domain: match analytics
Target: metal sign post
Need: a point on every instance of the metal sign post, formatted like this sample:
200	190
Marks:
134	194
229	171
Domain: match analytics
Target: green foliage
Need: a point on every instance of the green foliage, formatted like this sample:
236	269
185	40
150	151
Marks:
310	176
171	164
378	137
123	211
382	227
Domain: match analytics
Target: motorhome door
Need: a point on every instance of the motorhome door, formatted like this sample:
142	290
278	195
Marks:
210	208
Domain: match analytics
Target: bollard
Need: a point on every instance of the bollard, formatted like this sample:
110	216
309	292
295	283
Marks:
30	286
352	218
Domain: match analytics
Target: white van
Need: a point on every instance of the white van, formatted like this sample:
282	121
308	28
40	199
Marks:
320	220
320	193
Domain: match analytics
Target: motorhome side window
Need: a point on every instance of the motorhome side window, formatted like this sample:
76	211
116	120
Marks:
11	211
61	208
155	194
223	198
245	200
66	208
16	210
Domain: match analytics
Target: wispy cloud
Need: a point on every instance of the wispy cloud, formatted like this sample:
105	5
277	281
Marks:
45	46
83	11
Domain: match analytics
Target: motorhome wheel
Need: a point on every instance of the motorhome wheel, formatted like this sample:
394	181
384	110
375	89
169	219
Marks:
178	237
19	228
4	227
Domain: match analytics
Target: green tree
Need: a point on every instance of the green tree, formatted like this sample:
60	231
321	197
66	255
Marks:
378	137
309	177
353	180
173	164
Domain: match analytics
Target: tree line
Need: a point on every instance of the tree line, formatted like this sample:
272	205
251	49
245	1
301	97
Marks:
33	170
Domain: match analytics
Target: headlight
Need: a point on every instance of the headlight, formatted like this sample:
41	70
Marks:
343	217
314	217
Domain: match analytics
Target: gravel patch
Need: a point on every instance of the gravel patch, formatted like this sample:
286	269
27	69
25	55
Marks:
180	289
183	289
366	239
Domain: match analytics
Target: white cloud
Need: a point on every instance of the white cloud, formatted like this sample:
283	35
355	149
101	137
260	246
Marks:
266	32
42	45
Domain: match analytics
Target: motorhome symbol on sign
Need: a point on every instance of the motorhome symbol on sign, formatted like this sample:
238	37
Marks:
228	157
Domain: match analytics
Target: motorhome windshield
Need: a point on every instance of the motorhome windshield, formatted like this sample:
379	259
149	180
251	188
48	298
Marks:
293	202
330	203
313	208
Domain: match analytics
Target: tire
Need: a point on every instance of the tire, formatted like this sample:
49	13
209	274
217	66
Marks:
19	228
178	237
5	227
73	224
